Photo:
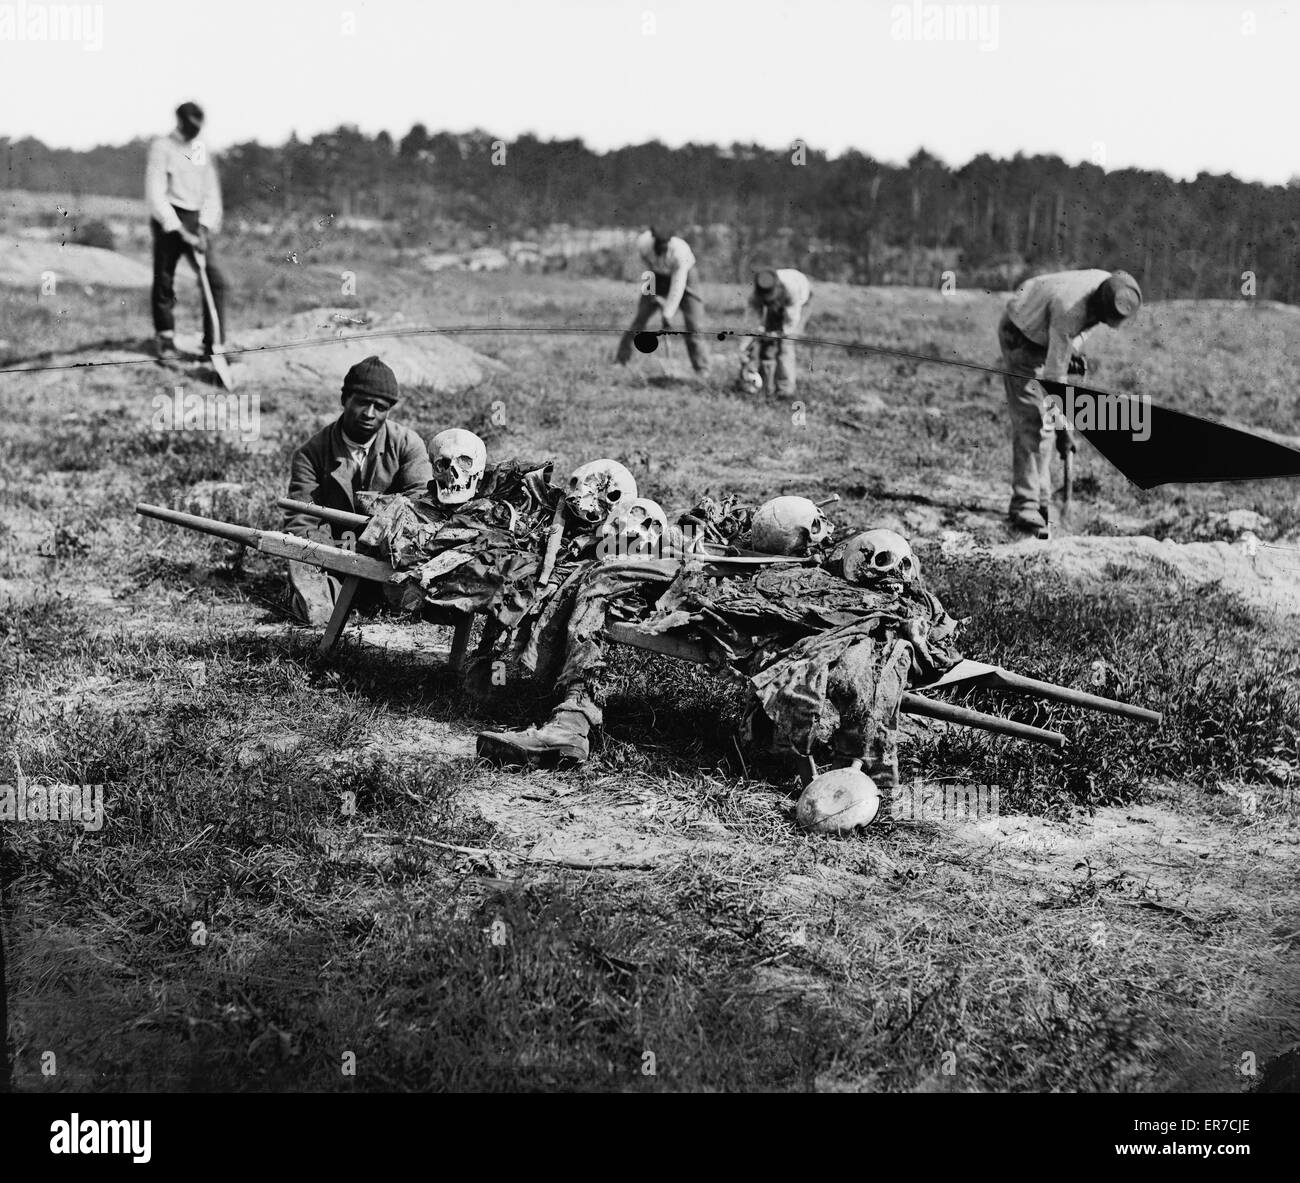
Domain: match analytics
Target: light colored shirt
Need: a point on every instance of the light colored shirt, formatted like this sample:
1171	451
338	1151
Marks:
791	293
357	453
1052	311
182	173
676	262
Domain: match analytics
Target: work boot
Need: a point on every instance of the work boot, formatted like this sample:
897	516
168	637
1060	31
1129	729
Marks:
1029	521
561	741
165	347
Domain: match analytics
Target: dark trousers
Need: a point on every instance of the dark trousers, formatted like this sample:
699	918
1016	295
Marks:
776	359
692	313
167	252
1032	430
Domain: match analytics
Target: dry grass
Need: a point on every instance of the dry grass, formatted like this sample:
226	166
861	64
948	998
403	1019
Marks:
1132	927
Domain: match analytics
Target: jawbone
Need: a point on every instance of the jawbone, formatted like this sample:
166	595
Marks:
457	494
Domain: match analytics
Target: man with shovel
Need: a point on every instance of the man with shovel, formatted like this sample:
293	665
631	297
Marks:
676	286
184	198
1041	336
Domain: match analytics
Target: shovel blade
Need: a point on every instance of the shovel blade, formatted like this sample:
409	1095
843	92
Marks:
221	367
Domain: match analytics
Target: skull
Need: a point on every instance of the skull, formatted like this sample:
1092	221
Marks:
880	556
597	487
459	458
788	526
636	528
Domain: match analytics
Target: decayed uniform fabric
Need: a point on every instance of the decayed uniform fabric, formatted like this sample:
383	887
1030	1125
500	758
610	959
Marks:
483	556
828	661
564	645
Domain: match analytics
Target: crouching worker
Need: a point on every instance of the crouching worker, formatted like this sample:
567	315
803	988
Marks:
359	452
780	298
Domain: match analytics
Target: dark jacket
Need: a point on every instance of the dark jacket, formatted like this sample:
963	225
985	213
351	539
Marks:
397	462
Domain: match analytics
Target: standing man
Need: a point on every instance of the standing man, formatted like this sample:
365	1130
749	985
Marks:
676	286
359	451
1041	336
781	299
184	198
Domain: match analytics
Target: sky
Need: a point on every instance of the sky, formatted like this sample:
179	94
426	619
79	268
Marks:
1203	85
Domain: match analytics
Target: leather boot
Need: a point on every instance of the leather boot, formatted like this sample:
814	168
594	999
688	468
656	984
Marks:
561	741
1030	522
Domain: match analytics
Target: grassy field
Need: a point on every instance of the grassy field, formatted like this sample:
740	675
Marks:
305	880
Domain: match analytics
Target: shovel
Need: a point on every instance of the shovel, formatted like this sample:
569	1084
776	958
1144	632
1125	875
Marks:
219	364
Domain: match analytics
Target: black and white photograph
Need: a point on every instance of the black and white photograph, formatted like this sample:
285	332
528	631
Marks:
650	546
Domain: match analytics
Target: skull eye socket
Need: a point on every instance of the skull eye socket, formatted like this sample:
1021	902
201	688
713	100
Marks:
464	462
612	495
636	512
882	559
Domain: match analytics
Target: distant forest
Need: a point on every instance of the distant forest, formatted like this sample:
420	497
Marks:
850	218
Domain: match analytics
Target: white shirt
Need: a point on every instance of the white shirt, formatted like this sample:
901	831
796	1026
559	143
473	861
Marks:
791	293
1051	310
676	261
182	173
357	453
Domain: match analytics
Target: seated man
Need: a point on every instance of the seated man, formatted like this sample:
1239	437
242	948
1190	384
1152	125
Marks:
359	451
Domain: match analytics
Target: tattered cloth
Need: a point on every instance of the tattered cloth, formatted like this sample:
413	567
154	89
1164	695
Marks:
564	643
822	655
825	658
484	556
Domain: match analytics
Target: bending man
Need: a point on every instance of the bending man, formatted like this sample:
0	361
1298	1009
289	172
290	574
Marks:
781	299
1041	336
676	285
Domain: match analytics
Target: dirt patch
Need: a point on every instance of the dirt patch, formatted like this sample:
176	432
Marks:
1263	574
1186	865
24	260
319	346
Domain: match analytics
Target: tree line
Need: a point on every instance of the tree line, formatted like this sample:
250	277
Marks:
849	218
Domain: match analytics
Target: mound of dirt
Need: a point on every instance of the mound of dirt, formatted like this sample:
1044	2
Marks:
319	346
1262	574
23	261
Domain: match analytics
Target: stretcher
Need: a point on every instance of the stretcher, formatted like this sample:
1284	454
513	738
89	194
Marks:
352	567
